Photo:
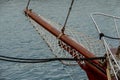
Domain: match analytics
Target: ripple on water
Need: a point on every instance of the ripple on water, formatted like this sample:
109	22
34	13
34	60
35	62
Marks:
19	39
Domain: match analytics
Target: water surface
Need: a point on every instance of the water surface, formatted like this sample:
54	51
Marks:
19	39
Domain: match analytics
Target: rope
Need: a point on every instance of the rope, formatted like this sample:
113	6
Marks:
110	56
24	60
70	8
28	4
104	41
116	27
108	51
103	35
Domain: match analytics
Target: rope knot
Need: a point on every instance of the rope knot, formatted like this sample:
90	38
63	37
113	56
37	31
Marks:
101	35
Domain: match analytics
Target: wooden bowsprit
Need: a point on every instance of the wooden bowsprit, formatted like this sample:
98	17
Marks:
52	43
94	69
56	45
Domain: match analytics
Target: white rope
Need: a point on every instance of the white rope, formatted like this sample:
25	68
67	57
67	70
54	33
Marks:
110	62
105	43
100	32
111	53
103	14
96	26
108	56
116	27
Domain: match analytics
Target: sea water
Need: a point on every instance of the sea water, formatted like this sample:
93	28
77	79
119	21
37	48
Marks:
19	39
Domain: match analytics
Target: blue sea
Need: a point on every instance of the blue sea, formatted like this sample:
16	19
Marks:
19	39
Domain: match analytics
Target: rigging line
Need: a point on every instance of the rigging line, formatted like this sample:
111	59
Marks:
108	58
28	4
112	66
107	47
96	26
116	27
24	60
103	35
107	15
105	44
70	8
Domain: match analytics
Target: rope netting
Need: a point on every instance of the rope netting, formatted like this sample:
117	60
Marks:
57	51
93	45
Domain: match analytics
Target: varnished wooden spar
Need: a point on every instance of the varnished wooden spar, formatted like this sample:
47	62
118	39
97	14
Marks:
57	33
93	72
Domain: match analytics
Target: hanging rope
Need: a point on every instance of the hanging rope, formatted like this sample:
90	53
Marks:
28	4
24	60
63	28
